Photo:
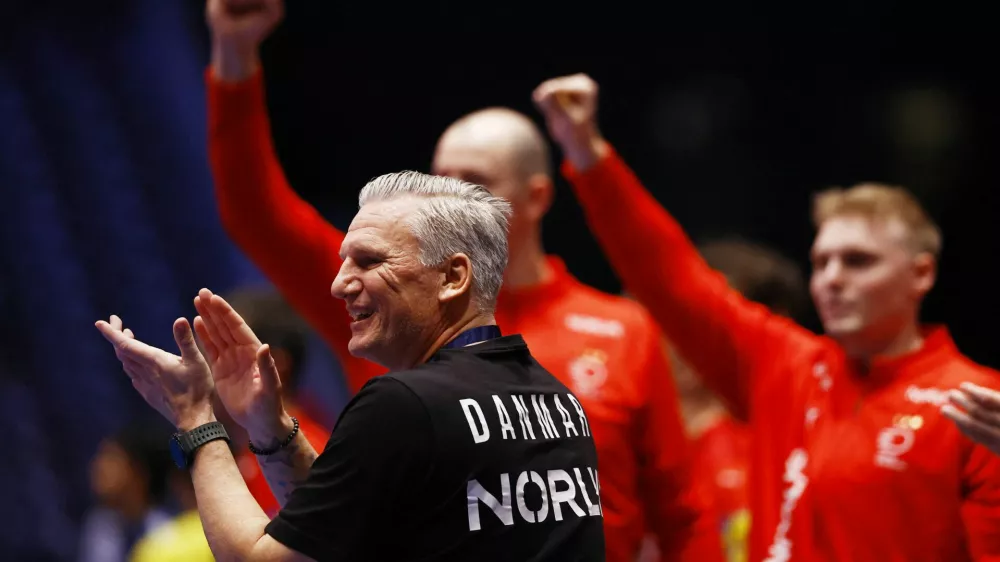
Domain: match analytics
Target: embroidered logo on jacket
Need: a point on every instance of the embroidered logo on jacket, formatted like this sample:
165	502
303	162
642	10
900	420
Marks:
894	442
589	371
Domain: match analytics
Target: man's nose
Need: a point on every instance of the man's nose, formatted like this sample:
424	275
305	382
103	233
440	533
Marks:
345	283
833	274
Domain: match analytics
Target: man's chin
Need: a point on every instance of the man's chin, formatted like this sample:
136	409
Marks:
363	348
358	345
843	327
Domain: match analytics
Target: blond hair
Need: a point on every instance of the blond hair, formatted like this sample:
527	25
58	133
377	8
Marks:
882	202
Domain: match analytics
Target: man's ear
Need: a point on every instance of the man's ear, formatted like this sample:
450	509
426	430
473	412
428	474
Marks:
539	197
457	279
925	273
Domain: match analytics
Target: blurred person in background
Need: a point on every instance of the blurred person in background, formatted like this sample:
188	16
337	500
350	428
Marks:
603	347
182	538
129	479
270	317
722	443
851	457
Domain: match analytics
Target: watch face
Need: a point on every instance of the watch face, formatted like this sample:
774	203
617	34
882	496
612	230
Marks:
180	459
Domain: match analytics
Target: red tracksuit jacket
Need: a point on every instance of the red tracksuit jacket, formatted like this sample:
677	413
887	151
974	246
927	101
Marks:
844	465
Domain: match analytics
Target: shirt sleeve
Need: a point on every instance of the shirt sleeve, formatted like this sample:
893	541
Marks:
981	503
378	455
725	337
282	234
679	513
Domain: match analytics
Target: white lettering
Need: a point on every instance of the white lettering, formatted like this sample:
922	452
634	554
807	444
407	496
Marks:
544	417
934	396
505	423
468	404
567	422
593	508
596	326
550	494
596	481
531	516
579	412
567	496
781	548
522	414
475	493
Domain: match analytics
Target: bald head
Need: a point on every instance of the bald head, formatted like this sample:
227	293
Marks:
508	138
503	151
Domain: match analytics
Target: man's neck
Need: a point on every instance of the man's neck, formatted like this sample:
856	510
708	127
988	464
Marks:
471	320
905	341
528	267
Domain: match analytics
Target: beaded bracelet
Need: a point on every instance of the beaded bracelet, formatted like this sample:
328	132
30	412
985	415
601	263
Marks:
282	445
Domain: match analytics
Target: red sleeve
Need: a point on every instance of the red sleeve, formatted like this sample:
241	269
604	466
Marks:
722	335
981	502
679	513
282	234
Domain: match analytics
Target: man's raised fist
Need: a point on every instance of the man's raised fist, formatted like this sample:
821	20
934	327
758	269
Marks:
238	29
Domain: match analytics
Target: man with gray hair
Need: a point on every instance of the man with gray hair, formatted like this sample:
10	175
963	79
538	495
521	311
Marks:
440	458
453	224
606	349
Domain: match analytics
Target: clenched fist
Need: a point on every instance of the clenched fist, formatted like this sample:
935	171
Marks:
238	29
569	104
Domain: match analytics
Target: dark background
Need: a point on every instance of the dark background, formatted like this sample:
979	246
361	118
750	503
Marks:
733	115
733	132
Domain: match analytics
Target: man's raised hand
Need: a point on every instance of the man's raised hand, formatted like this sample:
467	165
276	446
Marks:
180	387
246	378
238	29
569	105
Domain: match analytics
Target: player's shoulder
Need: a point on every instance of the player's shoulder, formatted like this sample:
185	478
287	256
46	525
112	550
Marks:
442	376
394	390
596	310
962	368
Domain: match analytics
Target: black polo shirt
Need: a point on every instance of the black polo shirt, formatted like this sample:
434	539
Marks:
477	455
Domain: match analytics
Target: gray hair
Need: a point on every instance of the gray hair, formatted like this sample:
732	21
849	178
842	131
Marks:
457	217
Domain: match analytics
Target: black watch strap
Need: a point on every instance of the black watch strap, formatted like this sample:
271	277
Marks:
189	441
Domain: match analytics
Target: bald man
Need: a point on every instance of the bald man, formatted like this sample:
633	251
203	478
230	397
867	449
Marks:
504	151
605	348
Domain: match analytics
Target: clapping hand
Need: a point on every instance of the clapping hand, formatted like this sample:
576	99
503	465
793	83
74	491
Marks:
246	378
179	387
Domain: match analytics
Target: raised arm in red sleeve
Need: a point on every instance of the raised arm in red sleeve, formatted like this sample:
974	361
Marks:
725	337
282	234
680	515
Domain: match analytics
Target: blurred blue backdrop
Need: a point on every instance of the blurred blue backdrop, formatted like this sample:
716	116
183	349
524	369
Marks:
107	208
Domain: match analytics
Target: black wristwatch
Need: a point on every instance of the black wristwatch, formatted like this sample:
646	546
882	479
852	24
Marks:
183	444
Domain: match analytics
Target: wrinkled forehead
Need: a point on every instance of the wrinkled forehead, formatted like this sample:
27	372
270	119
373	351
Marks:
858	232
383	223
